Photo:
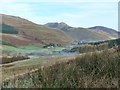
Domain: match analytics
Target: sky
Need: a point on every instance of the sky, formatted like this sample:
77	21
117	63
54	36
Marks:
76	13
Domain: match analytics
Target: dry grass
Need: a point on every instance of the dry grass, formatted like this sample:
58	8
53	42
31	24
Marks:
91	70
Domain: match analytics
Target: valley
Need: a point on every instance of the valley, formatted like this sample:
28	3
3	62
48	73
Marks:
57	55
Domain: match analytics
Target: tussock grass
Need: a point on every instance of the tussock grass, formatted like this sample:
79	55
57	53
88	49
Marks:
90	70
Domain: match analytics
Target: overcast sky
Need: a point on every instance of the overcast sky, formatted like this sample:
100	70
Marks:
77	13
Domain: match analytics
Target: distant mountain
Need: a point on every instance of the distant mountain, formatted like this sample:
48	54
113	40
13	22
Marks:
110	31
83	34
62	26
19	31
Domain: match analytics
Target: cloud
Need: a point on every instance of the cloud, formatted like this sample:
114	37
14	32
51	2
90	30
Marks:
83	14
16	9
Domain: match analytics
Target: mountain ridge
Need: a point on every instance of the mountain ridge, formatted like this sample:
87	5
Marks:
105	29
58	33
80	33
34	33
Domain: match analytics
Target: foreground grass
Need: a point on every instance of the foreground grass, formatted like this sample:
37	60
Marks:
20	67
90	70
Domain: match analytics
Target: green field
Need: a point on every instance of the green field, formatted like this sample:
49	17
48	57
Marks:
30	48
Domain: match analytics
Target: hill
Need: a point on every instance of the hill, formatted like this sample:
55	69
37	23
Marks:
109	31
82	34
19	31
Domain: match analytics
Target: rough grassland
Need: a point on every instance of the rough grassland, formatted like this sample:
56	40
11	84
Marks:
90	70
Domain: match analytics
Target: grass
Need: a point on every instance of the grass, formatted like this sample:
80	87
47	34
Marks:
37	47
13	51
30	47
22	66
90	70
7	47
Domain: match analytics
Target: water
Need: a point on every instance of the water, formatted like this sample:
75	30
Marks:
50	54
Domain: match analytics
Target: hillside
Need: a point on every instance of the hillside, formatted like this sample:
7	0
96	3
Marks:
109	31
19	31
89	70
82	34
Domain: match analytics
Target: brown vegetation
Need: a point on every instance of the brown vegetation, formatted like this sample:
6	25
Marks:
17	40
91	70
9	59
91	48
42	33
